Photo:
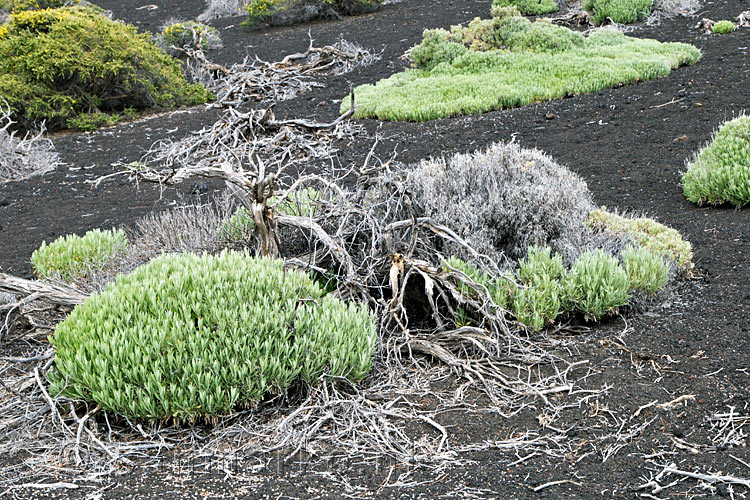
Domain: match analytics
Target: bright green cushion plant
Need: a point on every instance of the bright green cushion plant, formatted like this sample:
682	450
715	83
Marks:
526	7
720	172
73	257
61	64
189	337
508	61
619	11
723	27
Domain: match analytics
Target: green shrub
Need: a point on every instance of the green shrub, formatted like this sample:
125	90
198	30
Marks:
619	11
189	34
500	290
240	225
662	240
20	5
196	336
71	257
539	301
647	271
597	285
526	7
723	27
294	11
59	64
511	62
720	172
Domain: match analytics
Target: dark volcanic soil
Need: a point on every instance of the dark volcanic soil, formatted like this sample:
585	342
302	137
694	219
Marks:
630	144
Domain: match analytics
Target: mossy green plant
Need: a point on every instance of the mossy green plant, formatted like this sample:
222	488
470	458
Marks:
290	11
526	7
723	27
618	11
664	241
58	64
73	257
194	337
508	62
720	172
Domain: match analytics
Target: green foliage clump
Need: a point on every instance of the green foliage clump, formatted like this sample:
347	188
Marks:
526	7
240	225
72	257
723	27
293	11
508	61
647	271
193	337
500	290
720	172
19	5
189	34
538	301
597	284
664	241
619	11
59	64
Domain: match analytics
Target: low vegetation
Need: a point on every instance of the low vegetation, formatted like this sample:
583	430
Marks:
74	67
618	11
73	257
508	61
527	7
278	12
658	238
720	172
23	155
723	27
188	34
190	337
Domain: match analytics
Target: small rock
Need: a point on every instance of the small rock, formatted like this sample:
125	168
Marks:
550	116
681	138
698	105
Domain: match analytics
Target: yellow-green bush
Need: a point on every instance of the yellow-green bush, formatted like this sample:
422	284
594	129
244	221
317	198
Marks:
526	7
190	337
59	64
189	34
72	257
647	233
619	11
508	61
723	27
720	172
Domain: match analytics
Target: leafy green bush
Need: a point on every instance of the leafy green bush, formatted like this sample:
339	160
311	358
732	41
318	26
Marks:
619	11
511	62
662	240
196	336
647	271
723	27
500	290
539	301
190	34
294	11
526	7
720	172
597	284
59	64
19	5
71	257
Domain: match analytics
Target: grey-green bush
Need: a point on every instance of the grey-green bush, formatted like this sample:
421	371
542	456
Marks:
504	200
190	337
540	299
720	172
73	257
597	285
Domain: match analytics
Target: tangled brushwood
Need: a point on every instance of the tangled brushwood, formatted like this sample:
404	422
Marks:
26	156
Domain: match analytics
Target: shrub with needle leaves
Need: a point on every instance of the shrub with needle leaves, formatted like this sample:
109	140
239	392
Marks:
538	303
723	27
597	285
526	7
720	172
190	337
73	257
619	11
647	271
